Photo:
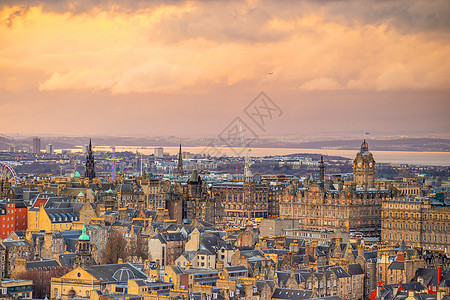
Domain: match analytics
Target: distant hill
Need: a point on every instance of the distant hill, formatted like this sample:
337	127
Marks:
409	144
406	144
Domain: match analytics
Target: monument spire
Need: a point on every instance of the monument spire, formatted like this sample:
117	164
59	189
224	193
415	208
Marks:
322	169
180	162
90	165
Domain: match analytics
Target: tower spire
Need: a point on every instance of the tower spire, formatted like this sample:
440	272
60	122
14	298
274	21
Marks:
322	169
90	165
180	162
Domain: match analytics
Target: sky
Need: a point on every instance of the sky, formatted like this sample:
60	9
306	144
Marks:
189	68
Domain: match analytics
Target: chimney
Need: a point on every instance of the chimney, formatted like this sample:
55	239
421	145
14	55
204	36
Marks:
312	249
306	261
293	247
361	251
219	264
395	290
400	256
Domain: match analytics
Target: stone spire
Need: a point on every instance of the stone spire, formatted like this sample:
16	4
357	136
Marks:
322	169
90	165
180	162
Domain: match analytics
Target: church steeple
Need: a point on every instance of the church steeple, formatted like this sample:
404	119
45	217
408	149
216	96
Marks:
322	169
180	162
90	165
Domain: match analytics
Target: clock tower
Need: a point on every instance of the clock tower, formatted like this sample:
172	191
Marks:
364	168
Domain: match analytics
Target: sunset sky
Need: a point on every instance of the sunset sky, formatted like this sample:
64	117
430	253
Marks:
188	68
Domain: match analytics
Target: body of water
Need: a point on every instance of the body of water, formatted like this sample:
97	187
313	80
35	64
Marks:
394	157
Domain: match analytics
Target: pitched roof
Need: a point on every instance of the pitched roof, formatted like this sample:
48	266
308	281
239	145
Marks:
397	265
291	294
355	269
45	264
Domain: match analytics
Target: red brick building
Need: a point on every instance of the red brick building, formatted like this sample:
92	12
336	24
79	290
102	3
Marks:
13	216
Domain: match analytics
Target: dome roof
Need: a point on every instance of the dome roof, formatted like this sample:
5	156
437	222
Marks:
123	274
83	236
76	174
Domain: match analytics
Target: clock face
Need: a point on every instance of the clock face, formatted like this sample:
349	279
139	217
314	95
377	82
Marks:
370	165
359	164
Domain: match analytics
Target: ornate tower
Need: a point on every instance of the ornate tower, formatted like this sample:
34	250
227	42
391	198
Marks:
180	162
90	166
364	168
322	169
83	256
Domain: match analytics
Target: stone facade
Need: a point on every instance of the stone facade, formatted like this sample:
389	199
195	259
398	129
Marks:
243	199
416	221
364	168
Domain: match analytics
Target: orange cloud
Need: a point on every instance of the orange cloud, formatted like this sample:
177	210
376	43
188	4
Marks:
198	45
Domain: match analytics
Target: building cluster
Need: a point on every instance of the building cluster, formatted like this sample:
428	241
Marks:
191	236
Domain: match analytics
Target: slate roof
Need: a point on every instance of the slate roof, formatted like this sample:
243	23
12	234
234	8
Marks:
291	294
20	233
125	188
45	264
397	265
116	272
260	284
429	276
189	255
66	259
339	271
355	269
236	269
17	243
165	237
211	241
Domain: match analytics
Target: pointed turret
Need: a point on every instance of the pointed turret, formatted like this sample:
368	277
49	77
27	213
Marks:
90	165
322	169
180	162
402	247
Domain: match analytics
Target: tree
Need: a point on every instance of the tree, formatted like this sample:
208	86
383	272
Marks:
138	249
41	279
116	248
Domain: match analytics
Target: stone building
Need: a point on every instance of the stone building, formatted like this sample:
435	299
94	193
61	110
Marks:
83	257
198	204
166	247
420	222
243	199
338	207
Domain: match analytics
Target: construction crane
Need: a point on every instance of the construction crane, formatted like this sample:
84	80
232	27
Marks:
113	159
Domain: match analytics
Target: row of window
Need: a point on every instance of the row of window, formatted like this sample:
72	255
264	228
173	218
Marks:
416	227
17	224
409	237
430	216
